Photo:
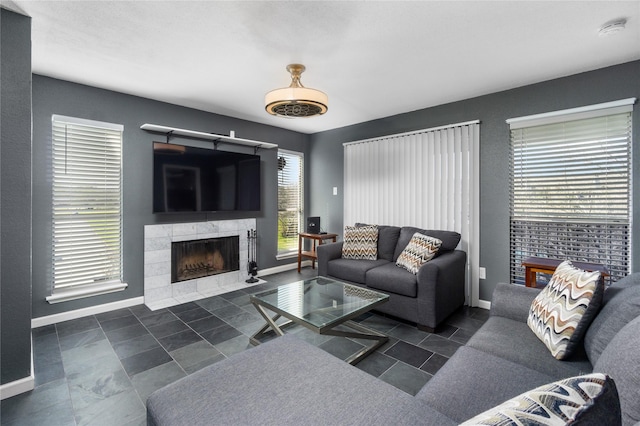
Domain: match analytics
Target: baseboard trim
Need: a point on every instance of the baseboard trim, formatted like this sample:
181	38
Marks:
283	268
23	385
484	304
91	310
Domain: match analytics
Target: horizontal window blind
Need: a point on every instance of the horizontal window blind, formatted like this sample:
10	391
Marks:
290	200
570	192
87	203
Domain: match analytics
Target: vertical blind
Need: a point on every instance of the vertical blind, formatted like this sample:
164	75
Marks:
87	204
290	199
570	190
428	179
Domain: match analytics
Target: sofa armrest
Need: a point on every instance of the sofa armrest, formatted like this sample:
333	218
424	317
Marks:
441	287
327	252
513	301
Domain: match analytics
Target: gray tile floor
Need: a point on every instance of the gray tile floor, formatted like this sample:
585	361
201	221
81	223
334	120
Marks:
100	369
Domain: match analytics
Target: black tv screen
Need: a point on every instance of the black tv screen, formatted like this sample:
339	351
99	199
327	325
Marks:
189	179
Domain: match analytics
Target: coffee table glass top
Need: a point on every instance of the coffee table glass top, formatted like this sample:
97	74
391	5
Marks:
320	302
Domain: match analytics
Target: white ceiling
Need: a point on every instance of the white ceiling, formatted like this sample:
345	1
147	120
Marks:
373	59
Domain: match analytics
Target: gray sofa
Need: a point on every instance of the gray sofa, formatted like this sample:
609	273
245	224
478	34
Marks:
426	298
288	381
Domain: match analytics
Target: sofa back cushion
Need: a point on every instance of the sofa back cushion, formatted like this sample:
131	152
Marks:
621	361
621	304
449	239
387	240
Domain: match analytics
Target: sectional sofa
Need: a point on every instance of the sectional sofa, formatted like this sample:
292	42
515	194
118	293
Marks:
289	382
426	298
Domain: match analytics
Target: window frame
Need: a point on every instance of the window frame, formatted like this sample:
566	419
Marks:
75	143
290	250
603	238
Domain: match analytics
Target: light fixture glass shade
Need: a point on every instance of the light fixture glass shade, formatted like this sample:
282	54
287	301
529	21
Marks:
296	100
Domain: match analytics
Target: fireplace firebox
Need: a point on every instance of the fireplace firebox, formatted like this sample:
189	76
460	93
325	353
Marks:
203	258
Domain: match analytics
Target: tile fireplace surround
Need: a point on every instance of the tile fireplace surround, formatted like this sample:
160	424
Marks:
158	290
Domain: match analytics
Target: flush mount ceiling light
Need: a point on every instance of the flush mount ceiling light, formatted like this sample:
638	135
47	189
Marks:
296	100
612	27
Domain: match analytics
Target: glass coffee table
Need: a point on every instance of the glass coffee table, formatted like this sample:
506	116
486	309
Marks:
321	304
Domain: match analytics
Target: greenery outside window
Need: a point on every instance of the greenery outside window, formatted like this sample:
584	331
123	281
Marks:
86	209
290	200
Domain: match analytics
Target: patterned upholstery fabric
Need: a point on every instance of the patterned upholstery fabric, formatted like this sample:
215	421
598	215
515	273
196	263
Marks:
360	242
563	310
420	250
591	399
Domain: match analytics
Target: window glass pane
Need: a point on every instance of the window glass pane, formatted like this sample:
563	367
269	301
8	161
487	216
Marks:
290	200
87	207
570	193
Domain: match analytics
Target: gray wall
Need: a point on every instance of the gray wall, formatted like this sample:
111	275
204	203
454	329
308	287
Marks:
15	184
51	96
608	84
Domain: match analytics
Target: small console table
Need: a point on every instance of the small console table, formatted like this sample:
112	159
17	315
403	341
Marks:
533	265
317	238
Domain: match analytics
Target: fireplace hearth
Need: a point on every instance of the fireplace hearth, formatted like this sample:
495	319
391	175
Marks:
202	258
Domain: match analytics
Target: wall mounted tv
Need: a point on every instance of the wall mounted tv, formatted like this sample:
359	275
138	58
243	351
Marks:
189	179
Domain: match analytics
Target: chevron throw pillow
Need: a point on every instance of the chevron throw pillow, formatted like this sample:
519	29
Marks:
420	250
591	399
561	313
360	242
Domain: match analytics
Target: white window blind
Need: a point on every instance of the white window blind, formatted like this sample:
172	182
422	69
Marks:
428	179
571	190
87	208
290	200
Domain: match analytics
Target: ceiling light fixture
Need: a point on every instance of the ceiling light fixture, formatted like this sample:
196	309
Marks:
612	27
296	100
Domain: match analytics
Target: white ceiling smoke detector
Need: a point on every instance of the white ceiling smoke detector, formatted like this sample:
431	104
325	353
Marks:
612	27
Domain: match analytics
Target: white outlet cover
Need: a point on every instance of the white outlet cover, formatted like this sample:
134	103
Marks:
482	273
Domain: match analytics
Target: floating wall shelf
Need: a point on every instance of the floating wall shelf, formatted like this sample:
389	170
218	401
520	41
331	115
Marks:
174	131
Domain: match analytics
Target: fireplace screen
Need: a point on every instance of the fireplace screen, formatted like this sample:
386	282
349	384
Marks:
202	258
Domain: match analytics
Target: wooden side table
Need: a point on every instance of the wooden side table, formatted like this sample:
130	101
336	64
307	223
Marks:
533	265
317	238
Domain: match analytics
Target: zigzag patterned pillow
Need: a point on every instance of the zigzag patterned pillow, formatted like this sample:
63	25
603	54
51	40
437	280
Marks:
360	242
562	311
420	250
591	399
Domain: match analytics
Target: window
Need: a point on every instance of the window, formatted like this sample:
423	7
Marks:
87	208
570	187
290	200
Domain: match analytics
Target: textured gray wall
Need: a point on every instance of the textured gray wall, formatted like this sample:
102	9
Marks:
15	208
608	84
51	96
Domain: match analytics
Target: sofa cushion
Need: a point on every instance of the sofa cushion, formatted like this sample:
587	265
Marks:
353	270
391	279
621	360
360	242
473	381
285	381
621	304
449	239
514	341
562	312
590	399
421	249
387	240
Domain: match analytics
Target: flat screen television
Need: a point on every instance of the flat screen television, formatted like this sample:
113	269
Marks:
189	179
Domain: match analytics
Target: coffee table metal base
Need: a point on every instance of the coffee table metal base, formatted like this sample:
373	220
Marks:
360	332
